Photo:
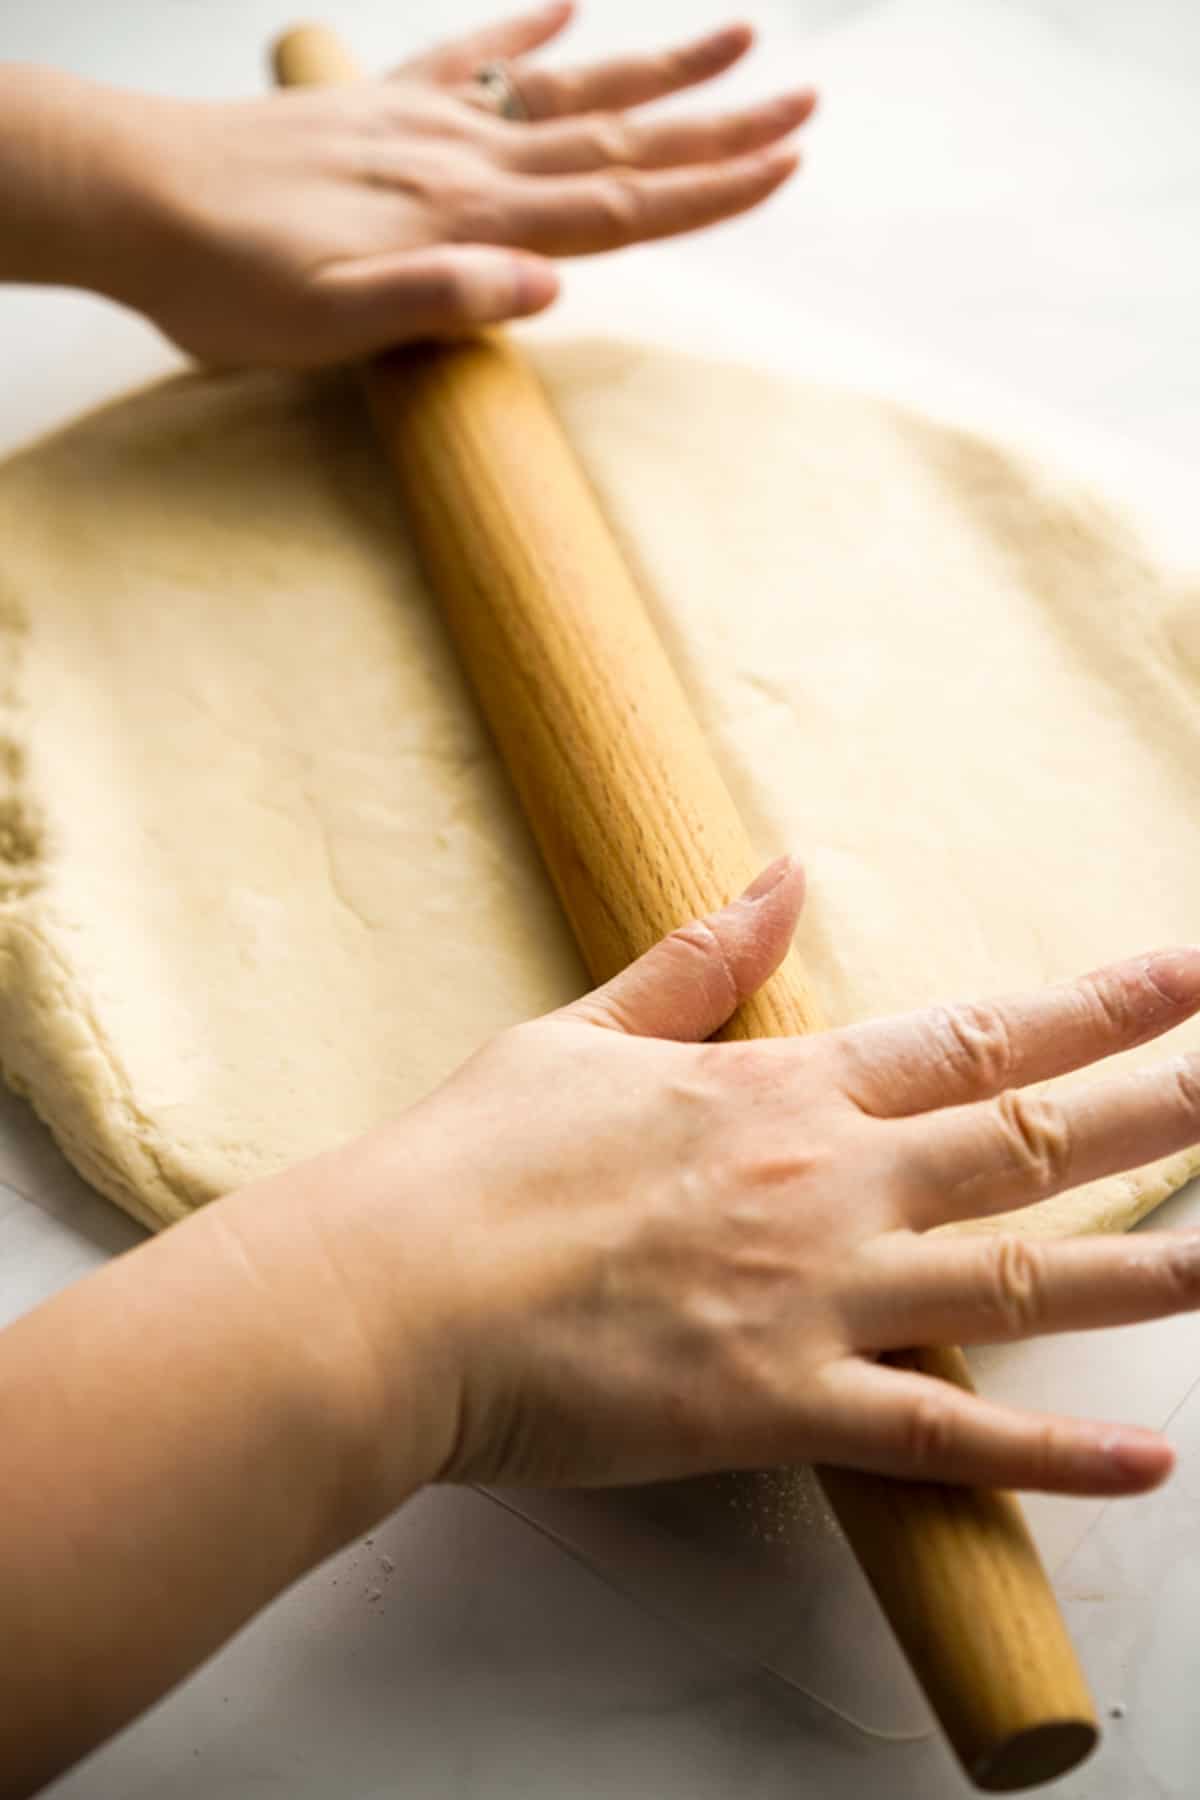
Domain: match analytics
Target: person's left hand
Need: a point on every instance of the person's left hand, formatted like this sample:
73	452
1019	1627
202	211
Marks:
318	225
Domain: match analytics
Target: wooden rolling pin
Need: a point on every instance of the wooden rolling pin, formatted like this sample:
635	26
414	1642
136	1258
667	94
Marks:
639	834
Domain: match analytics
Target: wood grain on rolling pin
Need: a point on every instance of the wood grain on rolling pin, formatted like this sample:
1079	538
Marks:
635	823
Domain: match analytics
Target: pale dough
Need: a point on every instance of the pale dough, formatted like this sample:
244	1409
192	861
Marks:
262	879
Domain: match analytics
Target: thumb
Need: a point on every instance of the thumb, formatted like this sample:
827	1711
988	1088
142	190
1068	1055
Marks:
385	300
695	979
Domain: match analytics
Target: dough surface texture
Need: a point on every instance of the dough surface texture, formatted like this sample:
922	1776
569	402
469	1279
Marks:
262	882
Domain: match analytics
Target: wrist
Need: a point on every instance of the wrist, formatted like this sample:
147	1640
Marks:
348	1285
76	181
191	1425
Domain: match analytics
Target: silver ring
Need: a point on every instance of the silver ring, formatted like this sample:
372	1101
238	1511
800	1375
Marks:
497	83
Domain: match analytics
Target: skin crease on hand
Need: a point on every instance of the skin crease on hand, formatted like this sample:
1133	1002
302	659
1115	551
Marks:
653	1257
315	226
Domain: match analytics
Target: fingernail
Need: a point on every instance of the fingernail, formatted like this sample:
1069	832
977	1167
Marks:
764	884
1175	973
726	36
1137	1453
792	106
779	160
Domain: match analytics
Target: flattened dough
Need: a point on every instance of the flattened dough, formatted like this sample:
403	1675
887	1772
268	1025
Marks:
262	882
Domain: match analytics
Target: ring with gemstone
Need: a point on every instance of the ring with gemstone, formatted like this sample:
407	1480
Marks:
496	80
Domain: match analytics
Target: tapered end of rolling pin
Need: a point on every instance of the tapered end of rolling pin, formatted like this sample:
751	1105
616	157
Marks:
1032	1757
960	1580
959	1577
312	56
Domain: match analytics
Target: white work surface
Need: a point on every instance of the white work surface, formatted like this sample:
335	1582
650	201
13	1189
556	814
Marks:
1005	194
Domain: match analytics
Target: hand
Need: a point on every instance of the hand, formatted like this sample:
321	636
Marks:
317	225
640	1256
603	1251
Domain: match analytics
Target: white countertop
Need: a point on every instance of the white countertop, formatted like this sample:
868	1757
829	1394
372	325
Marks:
1008	191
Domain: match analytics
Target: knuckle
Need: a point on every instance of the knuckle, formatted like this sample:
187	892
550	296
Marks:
976	1043
1015	1285
761	1177
697	935
930	1435
1179	1272
750	1369
700	942
1042	1454
1187	1082
620	208
1118	1006
749	1068
1036	1139
611	138
476	216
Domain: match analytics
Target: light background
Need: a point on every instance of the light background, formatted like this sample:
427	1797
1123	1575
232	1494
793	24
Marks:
1007	192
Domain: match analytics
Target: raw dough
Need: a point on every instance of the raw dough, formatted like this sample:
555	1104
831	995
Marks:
261	879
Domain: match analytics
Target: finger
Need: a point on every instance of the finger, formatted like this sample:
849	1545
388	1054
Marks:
988	1290
946	1055
690	983
605	140
1025	1145
629	80
385	300
459	60
575	215
897	1422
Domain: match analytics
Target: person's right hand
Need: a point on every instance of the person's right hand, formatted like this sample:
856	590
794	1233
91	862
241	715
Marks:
607	1252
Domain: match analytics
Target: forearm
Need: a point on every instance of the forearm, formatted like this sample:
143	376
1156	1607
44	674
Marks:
186	1432
70	206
